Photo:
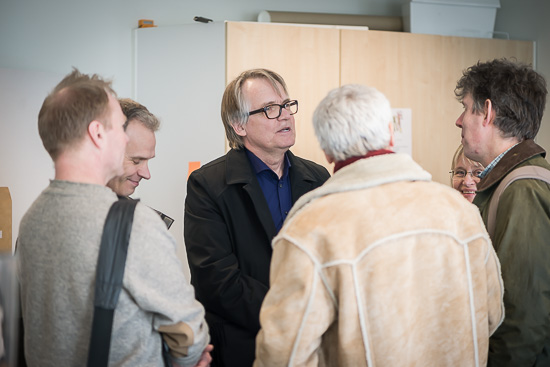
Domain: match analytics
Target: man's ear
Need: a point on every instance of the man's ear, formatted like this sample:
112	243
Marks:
488	112
96	132
239	129
329	158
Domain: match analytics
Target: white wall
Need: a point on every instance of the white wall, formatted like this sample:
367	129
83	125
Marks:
44	39
25	166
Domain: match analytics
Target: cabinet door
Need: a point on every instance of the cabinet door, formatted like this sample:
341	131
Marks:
306	57
420	72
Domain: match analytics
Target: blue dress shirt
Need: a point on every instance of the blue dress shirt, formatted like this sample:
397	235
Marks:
276	191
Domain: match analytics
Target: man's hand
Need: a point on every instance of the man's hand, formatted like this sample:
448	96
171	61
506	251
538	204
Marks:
206	358
204	361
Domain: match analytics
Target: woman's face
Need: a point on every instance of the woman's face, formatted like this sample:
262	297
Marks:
465	177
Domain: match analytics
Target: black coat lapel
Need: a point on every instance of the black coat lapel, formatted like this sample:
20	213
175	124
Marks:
239	171
301	180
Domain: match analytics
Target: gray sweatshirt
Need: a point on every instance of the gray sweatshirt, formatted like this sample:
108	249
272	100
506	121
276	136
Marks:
58	246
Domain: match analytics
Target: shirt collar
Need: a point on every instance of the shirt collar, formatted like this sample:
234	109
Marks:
259	166
494	162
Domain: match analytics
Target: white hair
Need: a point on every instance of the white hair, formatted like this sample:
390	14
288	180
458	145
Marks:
351	121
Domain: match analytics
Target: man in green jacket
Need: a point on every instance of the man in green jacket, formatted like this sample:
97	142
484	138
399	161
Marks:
503	107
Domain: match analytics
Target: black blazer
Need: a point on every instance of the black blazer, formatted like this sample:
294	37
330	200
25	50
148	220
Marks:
228	231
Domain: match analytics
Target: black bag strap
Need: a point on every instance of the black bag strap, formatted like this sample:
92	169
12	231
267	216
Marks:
109	274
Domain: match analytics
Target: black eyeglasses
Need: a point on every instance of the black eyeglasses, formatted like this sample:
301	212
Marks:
273	111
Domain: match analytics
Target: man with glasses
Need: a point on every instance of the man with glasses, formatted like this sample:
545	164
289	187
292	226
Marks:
503	107
236	204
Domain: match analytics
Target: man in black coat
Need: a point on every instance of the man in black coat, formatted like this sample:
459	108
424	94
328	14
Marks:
237	203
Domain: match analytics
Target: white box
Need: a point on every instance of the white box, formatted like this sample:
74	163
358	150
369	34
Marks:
465	18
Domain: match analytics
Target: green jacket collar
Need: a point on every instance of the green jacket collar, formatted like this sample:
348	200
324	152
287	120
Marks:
517	155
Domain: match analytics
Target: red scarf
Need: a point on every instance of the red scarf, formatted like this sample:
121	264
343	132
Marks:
349	161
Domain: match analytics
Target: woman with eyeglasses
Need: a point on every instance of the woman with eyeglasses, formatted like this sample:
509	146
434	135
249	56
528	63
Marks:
465	174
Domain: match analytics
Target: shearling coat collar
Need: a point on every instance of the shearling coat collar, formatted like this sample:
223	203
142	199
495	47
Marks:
365	173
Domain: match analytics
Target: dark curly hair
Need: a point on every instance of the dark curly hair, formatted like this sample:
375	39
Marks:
517	94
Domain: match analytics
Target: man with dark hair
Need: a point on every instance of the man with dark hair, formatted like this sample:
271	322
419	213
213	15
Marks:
236	204
503	107
82	128
140	128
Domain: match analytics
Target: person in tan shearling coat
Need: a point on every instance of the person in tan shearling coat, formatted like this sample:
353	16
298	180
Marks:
380	266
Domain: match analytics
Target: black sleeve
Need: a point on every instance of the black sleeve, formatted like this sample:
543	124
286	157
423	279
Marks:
220	284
